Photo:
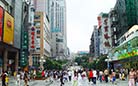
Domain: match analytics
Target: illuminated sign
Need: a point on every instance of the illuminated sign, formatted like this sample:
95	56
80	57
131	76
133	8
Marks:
8	36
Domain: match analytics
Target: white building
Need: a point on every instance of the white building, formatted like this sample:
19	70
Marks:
57	16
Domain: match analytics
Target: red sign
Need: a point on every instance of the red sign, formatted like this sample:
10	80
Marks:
1	22
32	40
106	28
99	21
106	36
107	44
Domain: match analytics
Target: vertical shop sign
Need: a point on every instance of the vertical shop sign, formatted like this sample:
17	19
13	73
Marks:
1	22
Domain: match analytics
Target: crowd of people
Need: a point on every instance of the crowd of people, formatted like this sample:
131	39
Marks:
74	76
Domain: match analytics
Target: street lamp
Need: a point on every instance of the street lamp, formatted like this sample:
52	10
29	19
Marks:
108	60
42	60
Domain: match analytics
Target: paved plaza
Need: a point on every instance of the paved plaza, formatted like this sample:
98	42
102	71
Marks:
69	83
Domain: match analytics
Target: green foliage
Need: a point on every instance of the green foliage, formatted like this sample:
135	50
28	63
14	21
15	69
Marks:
99	63
54	64
38	74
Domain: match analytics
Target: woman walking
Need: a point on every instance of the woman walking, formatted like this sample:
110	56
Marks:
26	79
75	79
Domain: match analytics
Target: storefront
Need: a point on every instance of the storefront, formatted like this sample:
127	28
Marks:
127	63
8	53
8	58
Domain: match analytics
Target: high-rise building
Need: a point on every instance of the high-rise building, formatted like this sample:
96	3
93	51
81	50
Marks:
42	38
94	46
126	16
57	16
113	21
91	47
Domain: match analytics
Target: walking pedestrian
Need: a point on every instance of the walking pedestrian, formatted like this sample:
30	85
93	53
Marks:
94	76
70	75
61	80
18	76
100	75
26	79
106	73
75	79
3	78
90	75
79	80
131	81
34	74
136	79
6	78
113	77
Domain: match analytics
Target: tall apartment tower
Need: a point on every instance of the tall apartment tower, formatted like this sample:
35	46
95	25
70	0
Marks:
57	16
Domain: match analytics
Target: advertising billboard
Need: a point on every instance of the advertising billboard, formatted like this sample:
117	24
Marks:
8	36
127	50
1	22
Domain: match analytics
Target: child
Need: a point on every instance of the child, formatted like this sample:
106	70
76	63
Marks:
113	77
7	79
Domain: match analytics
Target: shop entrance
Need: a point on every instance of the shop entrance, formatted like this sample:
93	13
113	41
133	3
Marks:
11	62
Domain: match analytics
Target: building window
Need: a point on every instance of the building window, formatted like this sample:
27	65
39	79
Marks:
38	48
37	17
37	24
38	31
38	36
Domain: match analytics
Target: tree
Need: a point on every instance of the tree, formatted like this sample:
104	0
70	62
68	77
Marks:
54	64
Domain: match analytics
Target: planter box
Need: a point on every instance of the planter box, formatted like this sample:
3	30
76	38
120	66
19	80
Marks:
40	78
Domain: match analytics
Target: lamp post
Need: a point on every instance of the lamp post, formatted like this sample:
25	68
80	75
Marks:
42	60
108	60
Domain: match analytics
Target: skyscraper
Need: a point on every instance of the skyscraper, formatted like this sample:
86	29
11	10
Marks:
57	16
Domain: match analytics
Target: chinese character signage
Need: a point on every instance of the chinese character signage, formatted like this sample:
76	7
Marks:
32	41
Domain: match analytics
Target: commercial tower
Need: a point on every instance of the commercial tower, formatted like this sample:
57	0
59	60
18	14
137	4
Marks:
56	11
42	34
57	16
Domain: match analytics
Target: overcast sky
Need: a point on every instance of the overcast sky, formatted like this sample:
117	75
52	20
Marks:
81	17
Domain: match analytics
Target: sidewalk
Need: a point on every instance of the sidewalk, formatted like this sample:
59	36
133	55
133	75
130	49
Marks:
12	82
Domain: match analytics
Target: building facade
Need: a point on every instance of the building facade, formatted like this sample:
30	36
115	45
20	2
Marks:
126	16
10	34
94	47
113	21
42	38
91	47
104	33
57	16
